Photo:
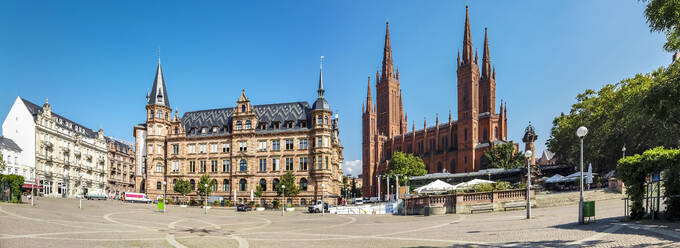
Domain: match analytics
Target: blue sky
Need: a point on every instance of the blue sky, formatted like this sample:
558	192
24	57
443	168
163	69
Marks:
95	60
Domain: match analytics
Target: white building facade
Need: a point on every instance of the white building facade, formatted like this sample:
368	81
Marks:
11	152
69	158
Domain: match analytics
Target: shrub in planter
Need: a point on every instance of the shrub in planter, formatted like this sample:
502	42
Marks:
216	203
276	203
482	187
502	185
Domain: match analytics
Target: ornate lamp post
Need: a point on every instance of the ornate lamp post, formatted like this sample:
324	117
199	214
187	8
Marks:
165	185
323	204
528	155
623	150
581	132
283	206
205	206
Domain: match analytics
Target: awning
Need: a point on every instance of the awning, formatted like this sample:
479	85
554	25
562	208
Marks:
31	186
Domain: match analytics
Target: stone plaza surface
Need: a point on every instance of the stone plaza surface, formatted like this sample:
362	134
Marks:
60	223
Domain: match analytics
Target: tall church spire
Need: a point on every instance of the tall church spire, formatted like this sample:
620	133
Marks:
321	91
387	64
158	94
467	39
486	60
369	97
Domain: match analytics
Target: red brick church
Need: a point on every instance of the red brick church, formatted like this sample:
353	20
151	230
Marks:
452	146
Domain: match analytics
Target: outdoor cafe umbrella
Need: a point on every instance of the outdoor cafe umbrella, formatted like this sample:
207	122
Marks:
435	186
252	198
234	196
471	183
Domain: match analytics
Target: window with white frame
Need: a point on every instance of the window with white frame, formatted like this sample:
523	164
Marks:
262	145
243	146
213	148
225	147
203	148
289	144
150	150
319	142
159	167
289	164
175	166
275	164
226	165
263	165
160	149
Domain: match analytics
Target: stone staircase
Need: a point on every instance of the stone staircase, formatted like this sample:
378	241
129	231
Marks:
552	199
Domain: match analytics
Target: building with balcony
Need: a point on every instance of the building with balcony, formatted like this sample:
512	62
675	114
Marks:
120	174
69	158
240	148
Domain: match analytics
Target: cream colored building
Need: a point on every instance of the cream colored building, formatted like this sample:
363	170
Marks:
240	147
69	158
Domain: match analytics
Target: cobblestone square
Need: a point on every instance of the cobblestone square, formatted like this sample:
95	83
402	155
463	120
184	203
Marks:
60	223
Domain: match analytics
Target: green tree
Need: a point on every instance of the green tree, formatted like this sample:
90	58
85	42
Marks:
628	113
259	191
405	165
662	16
503	156
2	162
287	179
182	186
205	179
14	183
344	191
356	192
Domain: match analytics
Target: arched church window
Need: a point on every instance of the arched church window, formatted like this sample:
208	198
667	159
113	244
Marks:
243	108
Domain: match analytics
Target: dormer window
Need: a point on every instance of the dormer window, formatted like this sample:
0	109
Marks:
262	125
204	130
238	125
214	129
248	125
243	108
303	124
289	124
276	125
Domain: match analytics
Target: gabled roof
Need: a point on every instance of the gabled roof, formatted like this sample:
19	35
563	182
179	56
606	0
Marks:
8	144
64	123
268	113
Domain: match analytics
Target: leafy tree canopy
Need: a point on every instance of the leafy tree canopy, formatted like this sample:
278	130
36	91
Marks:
503	156
182	186
405	165
288	179
663	16
640	112
205	179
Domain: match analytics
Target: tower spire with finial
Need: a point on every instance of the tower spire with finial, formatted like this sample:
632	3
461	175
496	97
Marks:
467	39
486	58
320	91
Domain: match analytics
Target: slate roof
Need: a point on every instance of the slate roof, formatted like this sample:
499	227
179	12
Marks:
8	144
120	146
268	113
158	94
64	123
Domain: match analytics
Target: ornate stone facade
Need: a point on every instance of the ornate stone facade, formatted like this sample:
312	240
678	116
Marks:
121	169
454	146
240	147
69	158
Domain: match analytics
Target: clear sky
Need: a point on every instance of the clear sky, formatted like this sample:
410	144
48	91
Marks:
95	60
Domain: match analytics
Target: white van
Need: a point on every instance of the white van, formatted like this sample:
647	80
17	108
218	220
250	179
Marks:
136	197
358	201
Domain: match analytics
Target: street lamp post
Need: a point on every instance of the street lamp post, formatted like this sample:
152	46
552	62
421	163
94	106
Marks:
205	206
623	150
283	208
581	132
528	155
165	185
378	187
323	204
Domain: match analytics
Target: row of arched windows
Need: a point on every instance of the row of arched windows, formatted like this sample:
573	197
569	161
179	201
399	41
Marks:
242	184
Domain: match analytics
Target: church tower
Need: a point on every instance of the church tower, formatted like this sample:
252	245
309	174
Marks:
389	109
468	103
158	128
368	144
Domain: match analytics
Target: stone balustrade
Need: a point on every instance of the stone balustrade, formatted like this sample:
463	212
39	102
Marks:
460	203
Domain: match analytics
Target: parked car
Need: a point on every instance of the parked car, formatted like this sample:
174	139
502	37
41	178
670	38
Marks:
358	201
316	207
243	208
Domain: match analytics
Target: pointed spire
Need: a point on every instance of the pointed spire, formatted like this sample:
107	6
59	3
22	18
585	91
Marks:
476	57
449	116
437	120
320	91
397	73
158	94
458	60
377	76
176	114
47	100
486	60
467	39
387	65
243	97
494	72
369	96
